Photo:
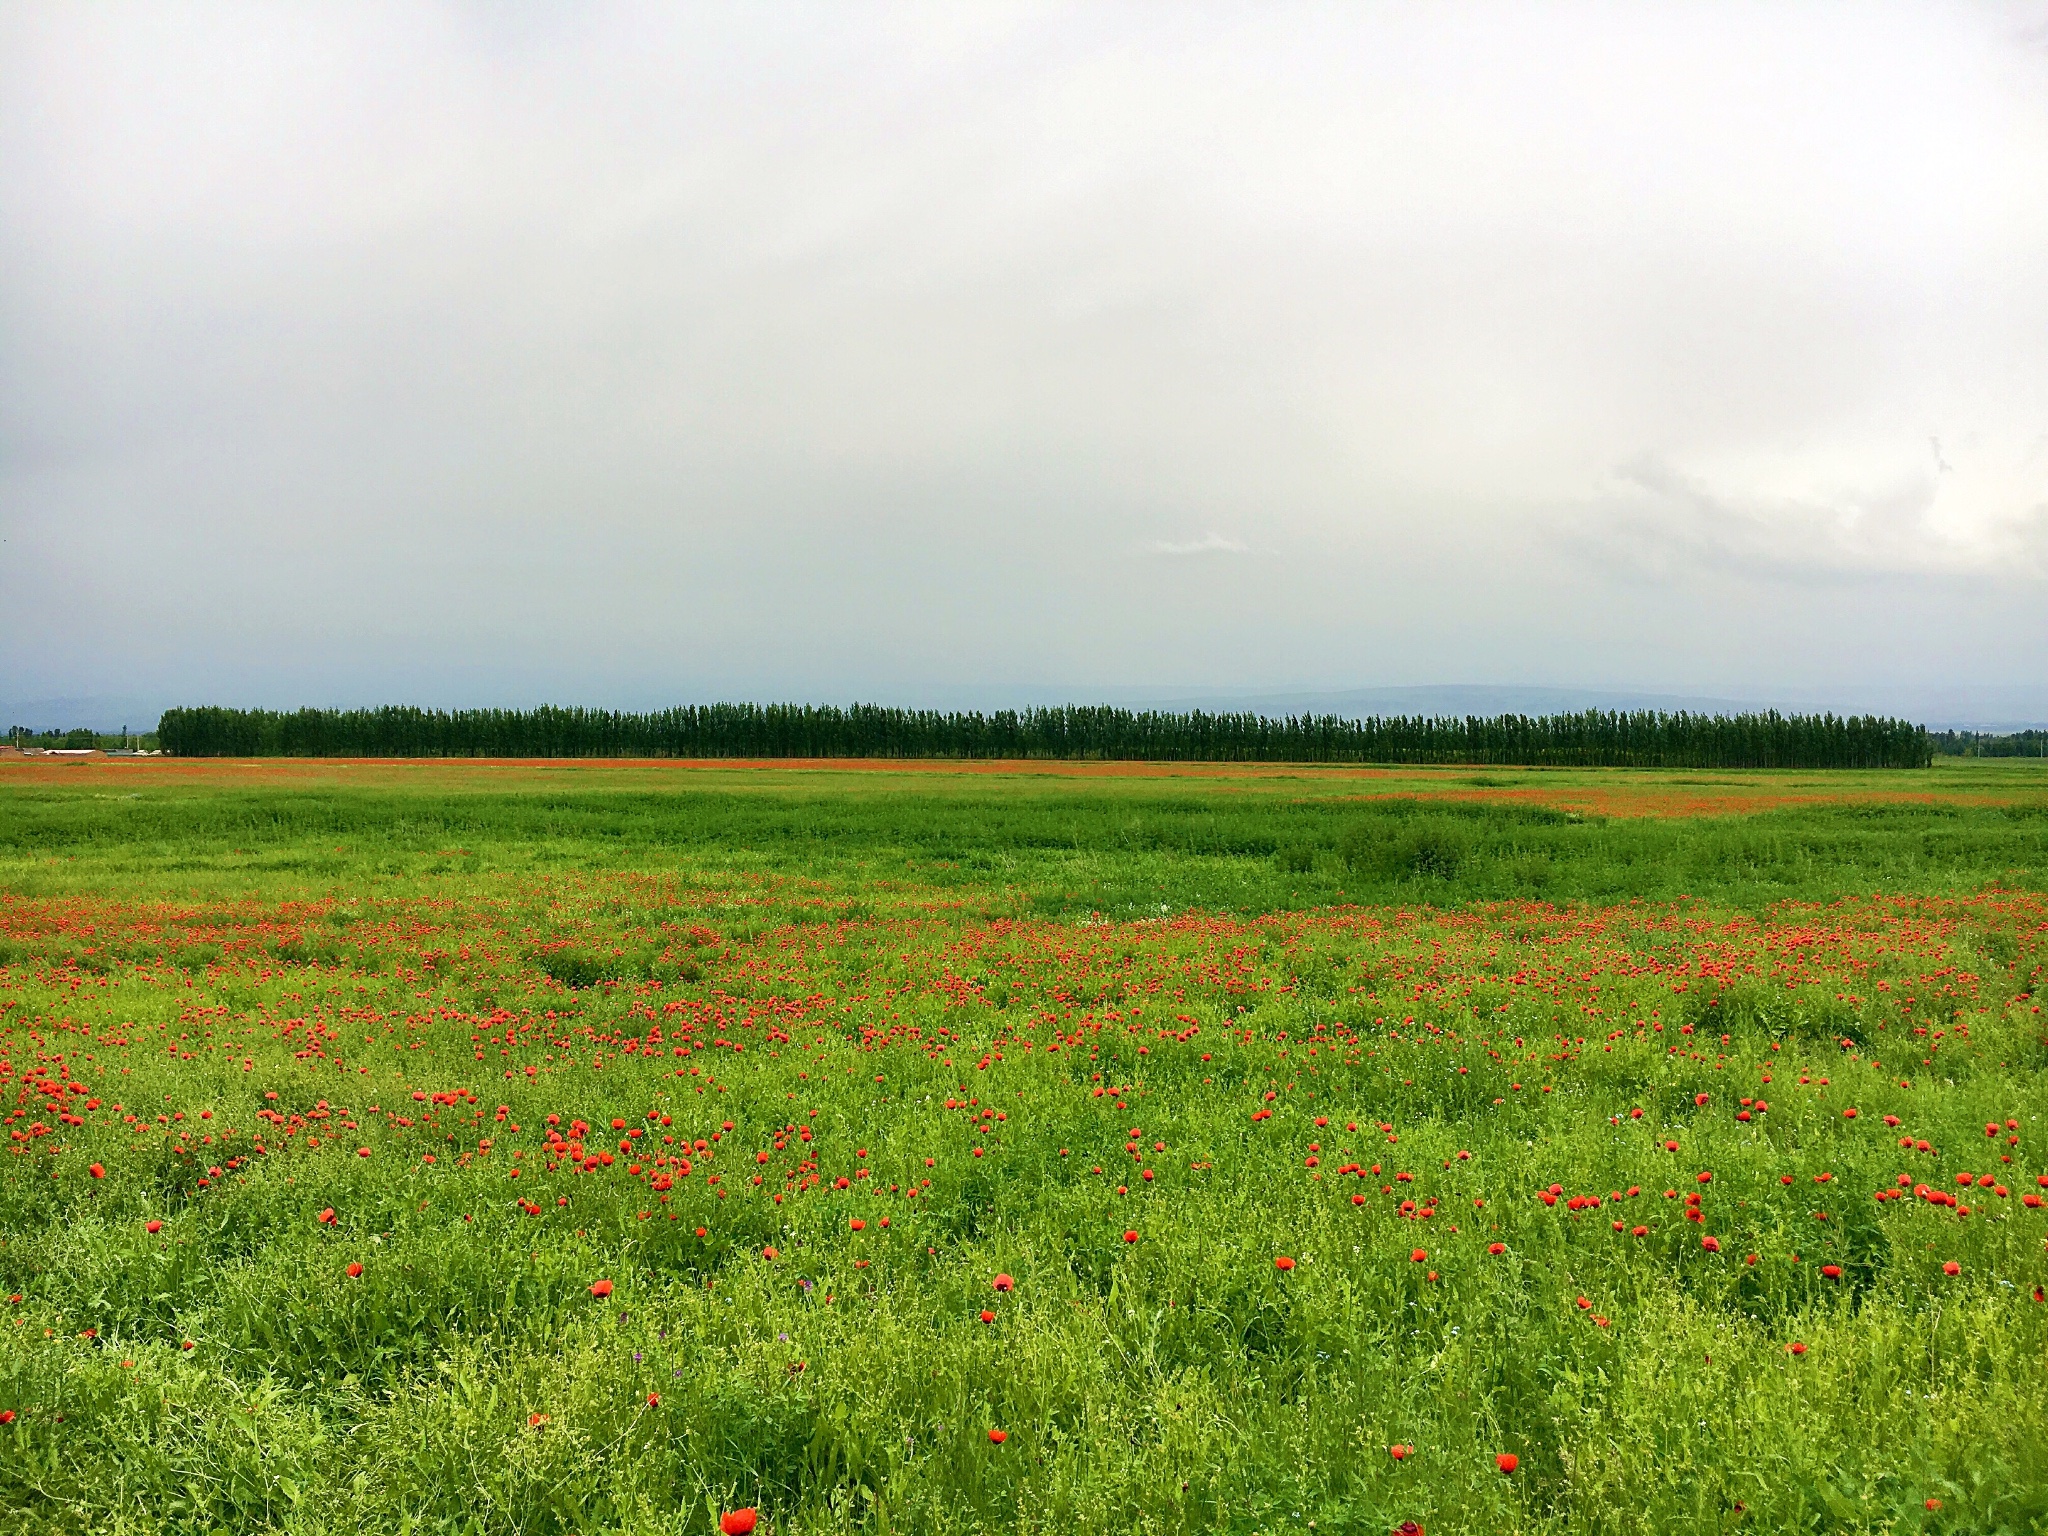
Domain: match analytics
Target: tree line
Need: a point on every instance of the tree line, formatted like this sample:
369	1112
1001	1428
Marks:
1991	743
1634	739
75	739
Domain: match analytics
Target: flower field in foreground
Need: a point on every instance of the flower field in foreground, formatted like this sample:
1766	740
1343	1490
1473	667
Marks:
391	1211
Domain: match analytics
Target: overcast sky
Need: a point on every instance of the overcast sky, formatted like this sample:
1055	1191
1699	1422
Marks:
622	354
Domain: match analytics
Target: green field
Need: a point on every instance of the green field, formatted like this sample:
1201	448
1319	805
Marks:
603	1147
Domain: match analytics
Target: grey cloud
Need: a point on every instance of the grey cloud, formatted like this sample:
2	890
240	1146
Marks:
1897	526
625	352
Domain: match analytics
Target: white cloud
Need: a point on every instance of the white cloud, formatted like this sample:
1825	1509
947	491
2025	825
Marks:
1960	507
1208	544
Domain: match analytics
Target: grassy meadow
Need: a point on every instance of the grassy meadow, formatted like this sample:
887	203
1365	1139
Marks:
610	1147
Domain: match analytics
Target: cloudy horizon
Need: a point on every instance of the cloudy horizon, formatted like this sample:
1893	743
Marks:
622	354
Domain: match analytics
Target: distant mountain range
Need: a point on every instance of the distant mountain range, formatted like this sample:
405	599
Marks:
1969	708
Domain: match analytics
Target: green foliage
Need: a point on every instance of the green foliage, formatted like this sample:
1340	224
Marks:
417	972
1121	846
1593	739
1991	743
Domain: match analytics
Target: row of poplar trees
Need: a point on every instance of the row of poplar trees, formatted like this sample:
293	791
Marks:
1637	739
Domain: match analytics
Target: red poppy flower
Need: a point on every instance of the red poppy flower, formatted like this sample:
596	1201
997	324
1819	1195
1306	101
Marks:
601	1289
6	1415
987	1316
1496	1249
1831	1271
1400	1452
857	1224
1418	1256
355	1271
738	1522
97	1171
326	1217
1797	1348
654	1399
766	1253
998	1436
1283	1263
1711	1244
1130	1237
1004	1283
1951	1268
1507	1461
152	1227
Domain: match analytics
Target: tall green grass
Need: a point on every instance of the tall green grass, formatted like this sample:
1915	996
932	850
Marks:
895	966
